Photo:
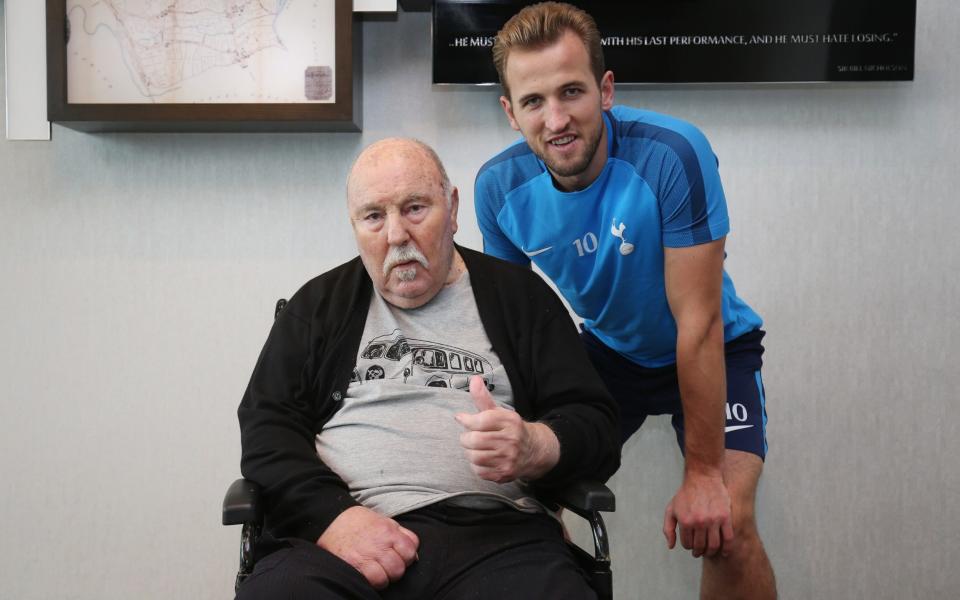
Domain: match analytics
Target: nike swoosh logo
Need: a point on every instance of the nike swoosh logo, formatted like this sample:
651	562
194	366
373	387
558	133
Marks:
536	252
736	428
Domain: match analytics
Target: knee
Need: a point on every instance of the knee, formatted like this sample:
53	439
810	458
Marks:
746	539
744	519
746	544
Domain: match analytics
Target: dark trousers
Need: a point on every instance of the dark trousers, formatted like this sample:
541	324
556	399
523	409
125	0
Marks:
499	554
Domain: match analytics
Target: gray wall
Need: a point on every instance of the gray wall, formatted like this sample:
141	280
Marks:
139	272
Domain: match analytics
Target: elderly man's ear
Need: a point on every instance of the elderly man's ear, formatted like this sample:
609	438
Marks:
454	205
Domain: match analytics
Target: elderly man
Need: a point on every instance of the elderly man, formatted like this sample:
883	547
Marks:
411	406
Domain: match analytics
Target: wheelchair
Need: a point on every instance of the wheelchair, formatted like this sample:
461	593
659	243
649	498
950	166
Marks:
242	505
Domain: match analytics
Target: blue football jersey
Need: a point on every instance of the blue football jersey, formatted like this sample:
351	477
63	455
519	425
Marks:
603	246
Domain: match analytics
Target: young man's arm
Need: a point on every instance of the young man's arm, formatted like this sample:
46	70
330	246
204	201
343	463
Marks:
702	508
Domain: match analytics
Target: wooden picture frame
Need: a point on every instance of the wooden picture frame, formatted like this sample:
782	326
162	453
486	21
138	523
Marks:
344	114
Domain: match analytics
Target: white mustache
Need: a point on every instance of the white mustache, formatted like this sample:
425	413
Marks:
397	255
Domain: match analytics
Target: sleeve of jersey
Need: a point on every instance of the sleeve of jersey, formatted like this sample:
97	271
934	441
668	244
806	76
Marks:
693	207
488	199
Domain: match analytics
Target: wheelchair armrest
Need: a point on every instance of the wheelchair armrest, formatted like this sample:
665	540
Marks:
241	504
586	497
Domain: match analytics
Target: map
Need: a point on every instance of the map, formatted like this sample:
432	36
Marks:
200	51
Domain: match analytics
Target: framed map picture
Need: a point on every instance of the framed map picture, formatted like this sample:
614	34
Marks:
203	65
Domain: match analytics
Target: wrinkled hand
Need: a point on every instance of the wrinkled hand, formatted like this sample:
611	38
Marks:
371	543
702	508
500	445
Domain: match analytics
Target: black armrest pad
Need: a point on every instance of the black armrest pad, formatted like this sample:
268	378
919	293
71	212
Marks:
586	496
242	503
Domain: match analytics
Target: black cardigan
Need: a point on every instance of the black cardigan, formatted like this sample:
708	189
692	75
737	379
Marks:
308	359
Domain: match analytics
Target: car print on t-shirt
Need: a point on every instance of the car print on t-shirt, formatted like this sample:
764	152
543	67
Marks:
420	362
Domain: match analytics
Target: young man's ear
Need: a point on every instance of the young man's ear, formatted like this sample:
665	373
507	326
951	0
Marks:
606	90
508	109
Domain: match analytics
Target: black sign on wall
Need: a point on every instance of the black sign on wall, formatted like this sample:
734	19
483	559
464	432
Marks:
704	41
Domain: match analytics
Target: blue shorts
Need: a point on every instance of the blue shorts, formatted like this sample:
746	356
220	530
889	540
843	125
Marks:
642	391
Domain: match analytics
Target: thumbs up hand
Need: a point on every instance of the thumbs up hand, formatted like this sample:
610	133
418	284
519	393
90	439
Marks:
481	395
501	446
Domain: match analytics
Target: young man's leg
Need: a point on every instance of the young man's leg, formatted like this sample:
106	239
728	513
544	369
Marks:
746	572
641	391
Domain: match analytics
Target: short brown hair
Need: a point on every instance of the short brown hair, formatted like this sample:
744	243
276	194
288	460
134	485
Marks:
540	25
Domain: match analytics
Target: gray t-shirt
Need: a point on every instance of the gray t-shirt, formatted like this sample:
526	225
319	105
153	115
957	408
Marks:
395	441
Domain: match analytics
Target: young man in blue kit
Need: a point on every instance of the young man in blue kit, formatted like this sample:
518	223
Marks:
624	210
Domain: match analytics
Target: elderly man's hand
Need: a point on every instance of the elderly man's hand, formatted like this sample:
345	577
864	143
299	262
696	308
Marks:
373	544
500	445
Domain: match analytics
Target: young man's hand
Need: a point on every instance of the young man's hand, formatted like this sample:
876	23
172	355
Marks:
702	509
